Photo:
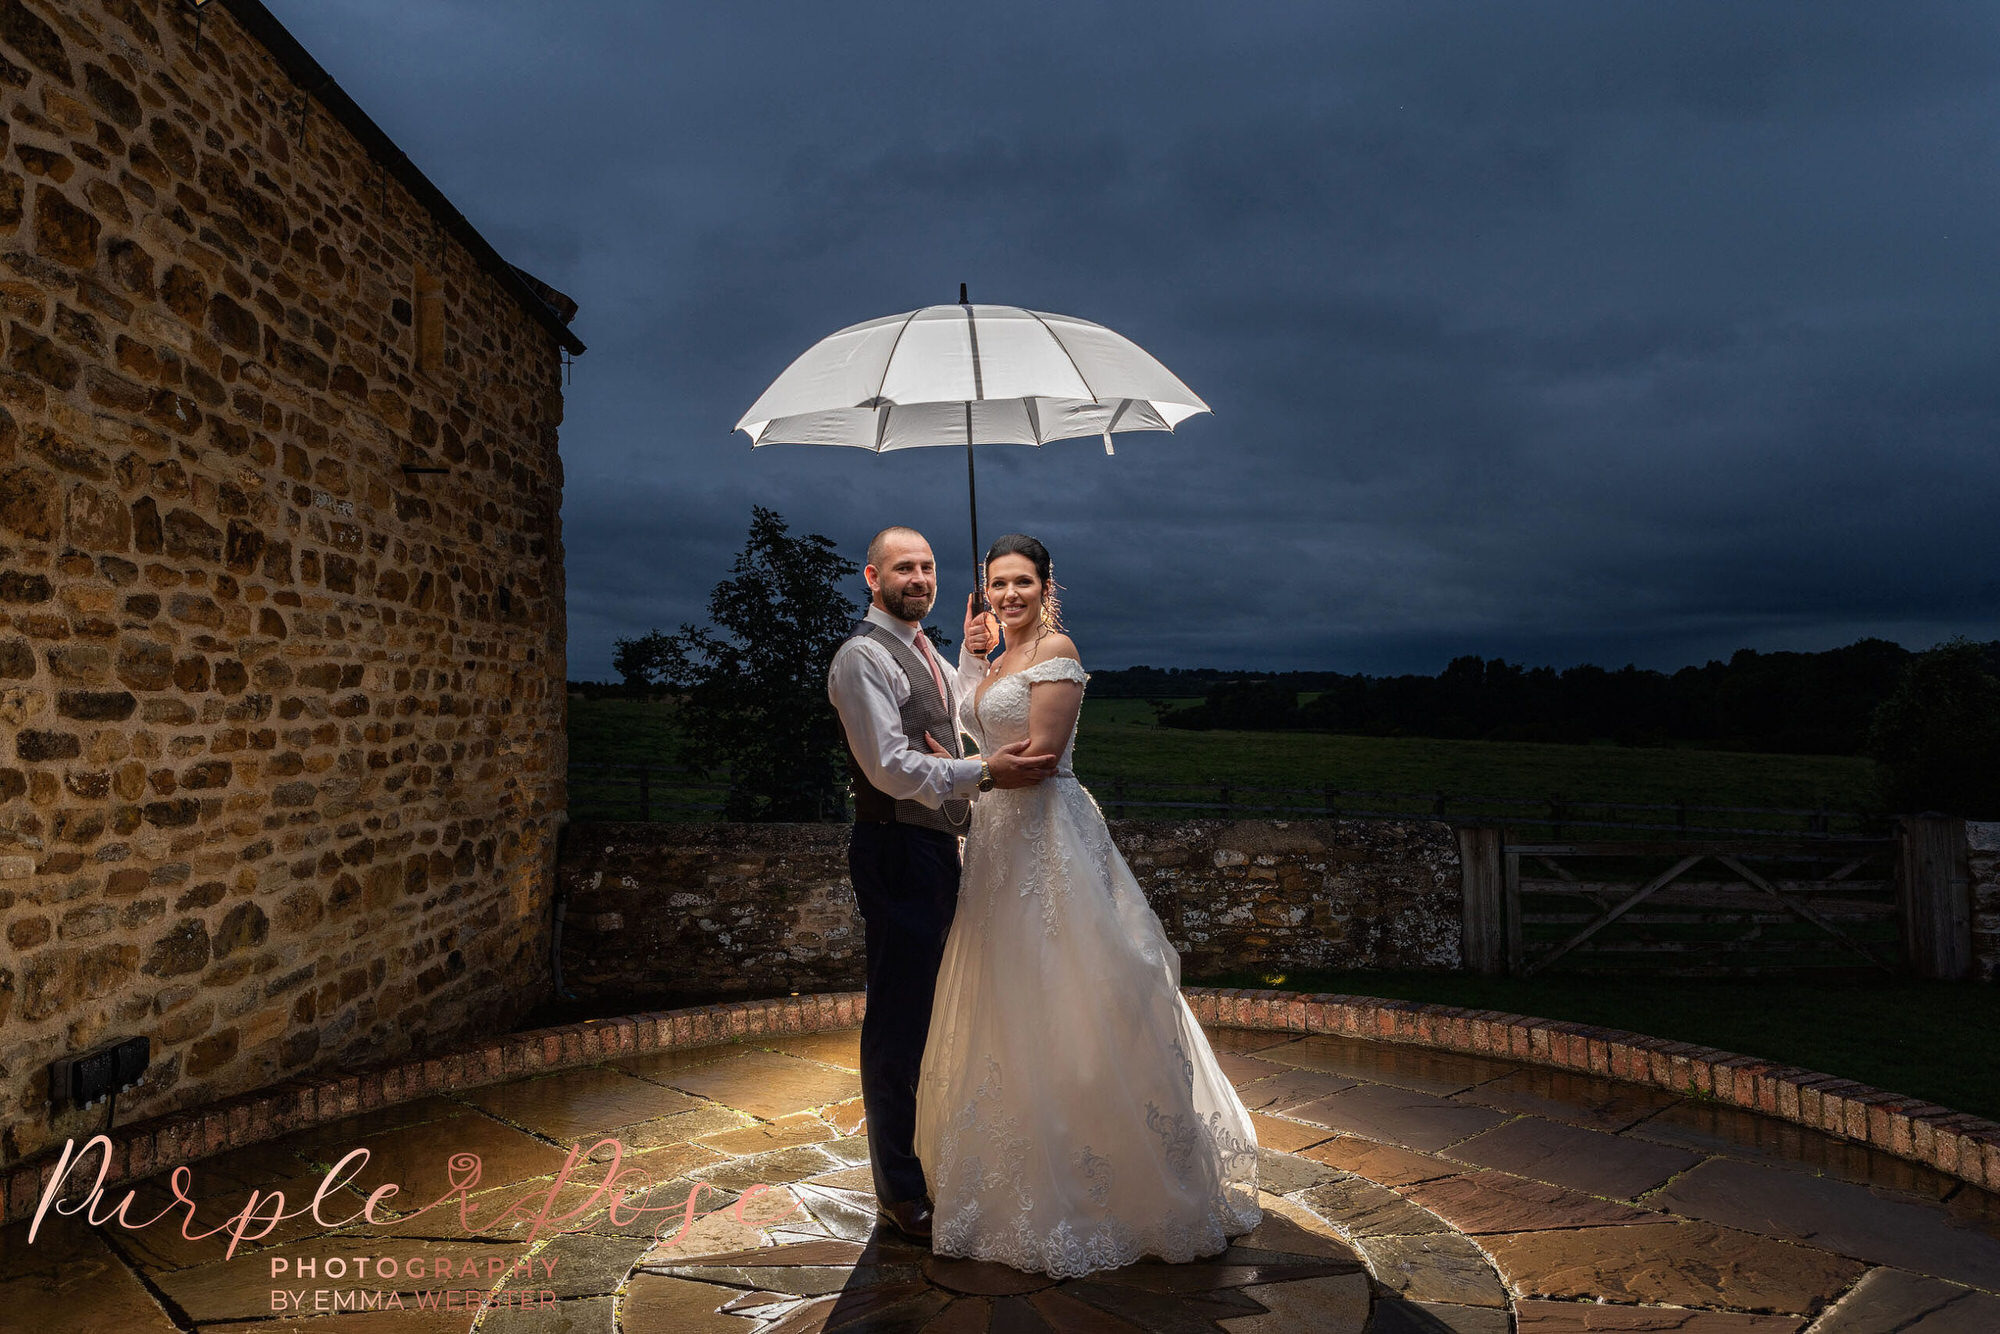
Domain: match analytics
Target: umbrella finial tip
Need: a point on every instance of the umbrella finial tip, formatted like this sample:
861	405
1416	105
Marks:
961	295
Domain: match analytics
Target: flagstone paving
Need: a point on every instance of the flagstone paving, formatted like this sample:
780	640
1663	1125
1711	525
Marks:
1406	1192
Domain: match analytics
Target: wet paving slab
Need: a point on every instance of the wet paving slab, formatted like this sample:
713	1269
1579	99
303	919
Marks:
727	1188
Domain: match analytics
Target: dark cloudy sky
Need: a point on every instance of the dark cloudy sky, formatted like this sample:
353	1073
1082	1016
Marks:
1559	332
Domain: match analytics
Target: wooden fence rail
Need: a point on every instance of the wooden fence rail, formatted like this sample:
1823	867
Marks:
1881	904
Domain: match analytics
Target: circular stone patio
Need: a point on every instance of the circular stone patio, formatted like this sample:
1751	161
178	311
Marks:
1405	1190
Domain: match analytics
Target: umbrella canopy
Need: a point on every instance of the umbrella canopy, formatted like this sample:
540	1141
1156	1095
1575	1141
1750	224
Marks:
965	375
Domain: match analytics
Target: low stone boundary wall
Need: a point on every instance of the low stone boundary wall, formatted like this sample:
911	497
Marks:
749	909
1955	1143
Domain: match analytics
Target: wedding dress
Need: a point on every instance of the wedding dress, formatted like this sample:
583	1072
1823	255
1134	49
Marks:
1070	1114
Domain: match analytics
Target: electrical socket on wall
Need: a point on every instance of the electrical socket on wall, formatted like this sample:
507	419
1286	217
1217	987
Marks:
86	1080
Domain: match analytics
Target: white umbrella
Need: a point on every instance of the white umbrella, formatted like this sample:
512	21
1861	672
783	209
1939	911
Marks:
966	374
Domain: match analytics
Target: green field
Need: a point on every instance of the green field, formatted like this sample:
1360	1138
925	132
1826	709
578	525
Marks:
622	731
1120	741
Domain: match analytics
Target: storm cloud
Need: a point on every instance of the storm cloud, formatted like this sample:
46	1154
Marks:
1557	332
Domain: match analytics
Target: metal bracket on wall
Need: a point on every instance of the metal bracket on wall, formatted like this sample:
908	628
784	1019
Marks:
197	6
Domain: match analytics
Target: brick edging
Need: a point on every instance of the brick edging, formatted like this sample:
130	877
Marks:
1955	1143
163	1142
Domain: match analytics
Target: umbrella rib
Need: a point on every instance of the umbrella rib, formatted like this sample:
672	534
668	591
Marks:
1124	406
1065	351
891	358
978	380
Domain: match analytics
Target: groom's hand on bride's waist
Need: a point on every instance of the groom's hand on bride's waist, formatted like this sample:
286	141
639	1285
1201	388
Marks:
1012	768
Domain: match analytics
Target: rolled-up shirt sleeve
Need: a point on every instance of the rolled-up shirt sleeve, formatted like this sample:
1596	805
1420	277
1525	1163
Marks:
971	671
858	684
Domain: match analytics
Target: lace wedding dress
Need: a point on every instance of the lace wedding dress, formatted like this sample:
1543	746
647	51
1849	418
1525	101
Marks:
1070	1114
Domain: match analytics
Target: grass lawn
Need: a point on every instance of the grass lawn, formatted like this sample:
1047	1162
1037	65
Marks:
1928	1039
622	731
1119	739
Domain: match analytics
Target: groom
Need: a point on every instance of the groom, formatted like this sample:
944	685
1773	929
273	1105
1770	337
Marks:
910	807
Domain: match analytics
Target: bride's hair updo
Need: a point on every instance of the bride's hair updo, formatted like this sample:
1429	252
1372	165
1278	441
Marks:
1020	544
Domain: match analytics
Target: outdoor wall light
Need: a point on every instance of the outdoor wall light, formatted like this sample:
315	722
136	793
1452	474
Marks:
197	6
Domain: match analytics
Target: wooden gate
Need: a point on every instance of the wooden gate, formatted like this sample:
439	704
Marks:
1682	907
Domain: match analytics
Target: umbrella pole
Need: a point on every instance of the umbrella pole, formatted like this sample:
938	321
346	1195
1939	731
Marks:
972	499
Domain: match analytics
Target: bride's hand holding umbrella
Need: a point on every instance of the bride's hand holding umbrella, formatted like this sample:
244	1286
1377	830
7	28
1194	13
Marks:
982	628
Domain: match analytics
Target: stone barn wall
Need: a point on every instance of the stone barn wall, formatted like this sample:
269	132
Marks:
696	912
281	726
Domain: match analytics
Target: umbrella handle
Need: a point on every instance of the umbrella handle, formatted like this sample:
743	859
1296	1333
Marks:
972	499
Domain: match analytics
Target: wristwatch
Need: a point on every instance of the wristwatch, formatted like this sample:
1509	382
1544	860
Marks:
985	775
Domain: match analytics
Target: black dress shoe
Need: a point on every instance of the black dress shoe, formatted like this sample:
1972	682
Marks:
912	1218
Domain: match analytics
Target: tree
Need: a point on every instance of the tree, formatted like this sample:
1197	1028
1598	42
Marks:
1937	736
754	683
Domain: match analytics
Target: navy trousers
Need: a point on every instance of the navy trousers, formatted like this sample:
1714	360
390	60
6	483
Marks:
906	888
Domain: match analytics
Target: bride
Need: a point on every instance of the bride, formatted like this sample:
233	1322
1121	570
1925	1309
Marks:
1070	1114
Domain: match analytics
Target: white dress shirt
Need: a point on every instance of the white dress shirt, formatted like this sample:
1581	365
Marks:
868	688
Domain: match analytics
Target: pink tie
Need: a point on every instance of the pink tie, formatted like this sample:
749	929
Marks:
930	657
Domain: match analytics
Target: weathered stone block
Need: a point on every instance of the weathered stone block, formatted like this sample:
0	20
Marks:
236	327
39	357
86	664
243	926
36	746
172	814
212	1052
194	609
24	33
17	659
130	267
144	664
95	705
183	949
185	293
64	231
97	519
112	95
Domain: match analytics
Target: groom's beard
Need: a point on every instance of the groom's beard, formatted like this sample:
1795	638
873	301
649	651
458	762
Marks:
906	606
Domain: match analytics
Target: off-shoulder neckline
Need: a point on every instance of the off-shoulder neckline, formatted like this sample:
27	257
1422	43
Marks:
985	688
1046	662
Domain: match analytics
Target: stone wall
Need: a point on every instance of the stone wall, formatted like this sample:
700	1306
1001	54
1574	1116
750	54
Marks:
1982	845
281	726
724	910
